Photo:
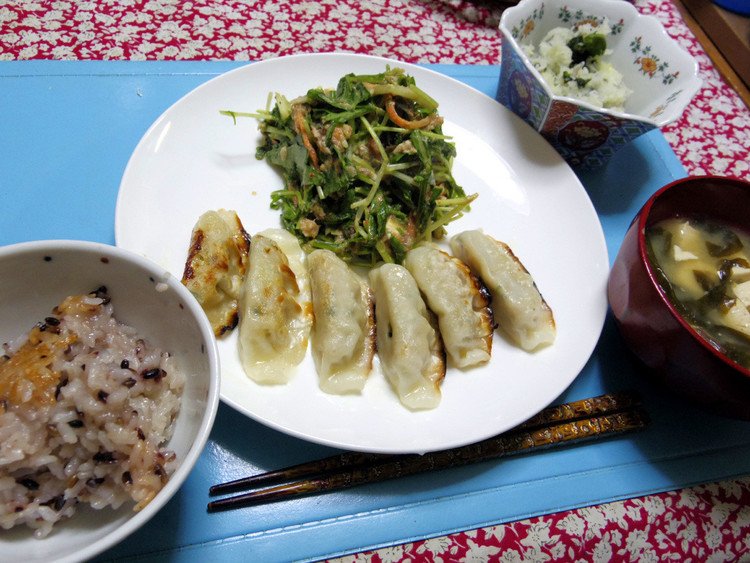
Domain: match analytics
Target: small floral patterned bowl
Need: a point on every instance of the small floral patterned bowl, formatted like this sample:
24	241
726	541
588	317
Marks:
662	76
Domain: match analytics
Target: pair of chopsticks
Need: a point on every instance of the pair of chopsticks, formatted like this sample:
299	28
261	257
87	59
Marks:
566	424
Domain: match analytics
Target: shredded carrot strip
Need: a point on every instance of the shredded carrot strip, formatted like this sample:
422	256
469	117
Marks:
390	108
299	125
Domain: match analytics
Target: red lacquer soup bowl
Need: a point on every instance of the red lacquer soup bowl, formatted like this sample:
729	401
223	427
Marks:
683	361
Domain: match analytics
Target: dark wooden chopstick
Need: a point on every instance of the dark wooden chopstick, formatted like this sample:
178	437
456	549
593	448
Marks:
565	424
584	408
312	468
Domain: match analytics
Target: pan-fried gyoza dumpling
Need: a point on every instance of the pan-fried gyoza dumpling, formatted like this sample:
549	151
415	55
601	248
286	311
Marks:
275	308
408	341
215	266
343	333
458	299
518	306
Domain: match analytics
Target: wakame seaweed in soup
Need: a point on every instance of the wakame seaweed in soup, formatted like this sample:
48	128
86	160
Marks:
704	268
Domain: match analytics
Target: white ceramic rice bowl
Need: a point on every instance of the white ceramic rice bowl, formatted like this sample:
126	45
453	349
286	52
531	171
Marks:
36	276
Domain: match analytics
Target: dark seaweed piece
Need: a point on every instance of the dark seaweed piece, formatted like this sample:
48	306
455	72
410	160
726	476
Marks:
729	241
704	279
587	46
655	233
76	423
718	296
725	271
102	396
125	364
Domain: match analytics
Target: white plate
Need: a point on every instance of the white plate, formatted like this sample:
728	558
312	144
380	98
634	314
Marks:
192	159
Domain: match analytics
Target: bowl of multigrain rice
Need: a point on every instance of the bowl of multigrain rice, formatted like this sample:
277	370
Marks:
591	75
109	386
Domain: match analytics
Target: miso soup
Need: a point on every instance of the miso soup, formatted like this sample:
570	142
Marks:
704	268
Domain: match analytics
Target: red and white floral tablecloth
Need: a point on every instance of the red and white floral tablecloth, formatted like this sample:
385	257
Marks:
703	523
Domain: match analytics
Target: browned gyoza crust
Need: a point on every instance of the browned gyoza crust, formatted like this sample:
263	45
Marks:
460	302
216	262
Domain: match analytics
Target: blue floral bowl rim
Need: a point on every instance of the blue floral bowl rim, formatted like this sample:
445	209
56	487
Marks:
691	87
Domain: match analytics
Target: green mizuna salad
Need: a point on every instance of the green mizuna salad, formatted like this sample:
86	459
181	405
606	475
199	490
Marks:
366	167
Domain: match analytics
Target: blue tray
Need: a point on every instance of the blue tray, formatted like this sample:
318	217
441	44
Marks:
68	130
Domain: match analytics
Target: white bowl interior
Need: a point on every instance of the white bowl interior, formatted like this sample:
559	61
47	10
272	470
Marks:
34	277
660	98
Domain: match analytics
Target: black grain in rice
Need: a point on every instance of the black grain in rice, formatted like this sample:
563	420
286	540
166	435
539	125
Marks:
28	482
57	503
104	457
155	373
159	470
85	369
101	293
62	383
